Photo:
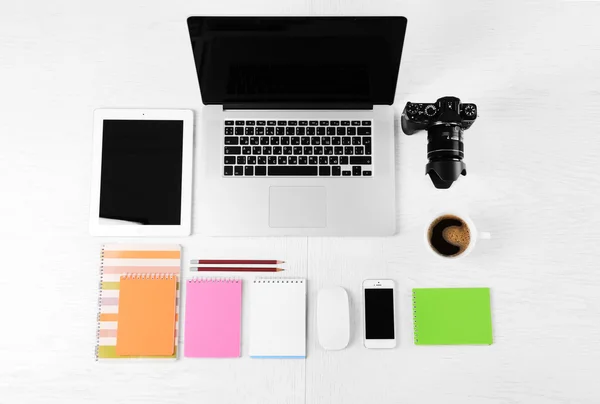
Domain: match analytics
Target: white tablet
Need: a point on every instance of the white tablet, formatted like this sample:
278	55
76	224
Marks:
142	173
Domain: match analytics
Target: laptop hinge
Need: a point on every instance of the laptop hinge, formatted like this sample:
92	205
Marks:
298	105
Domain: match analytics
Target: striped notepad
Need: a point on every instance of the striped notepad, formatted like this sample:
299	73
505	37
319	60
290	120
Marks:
130	273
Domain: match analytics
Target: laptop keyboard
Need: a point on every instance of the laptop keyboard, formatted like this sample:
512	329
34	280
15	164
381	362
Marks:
290	148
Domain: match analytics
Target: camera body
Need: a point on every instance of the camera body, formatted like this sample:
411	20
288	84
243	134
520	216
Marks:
445	121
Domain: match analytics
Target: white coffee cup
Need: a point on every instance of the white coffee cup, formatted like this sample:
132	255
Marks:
474	234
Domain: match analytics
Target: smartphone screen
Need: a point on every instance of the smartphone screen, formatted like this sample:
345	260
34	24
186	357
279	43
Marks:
379	313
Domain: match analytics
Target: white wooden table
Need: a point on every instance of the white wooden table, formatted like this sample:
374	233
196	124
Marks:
532	67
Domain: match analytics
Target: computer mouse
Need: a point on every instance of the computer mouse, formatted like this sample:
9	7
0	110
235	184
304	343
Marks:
333	318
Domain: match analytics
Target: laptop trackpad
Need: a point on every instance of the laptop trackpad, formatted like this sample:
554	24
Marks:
297	207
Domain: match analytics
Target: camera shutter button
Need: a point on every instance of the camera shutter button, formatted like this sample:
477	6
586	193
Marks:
430	110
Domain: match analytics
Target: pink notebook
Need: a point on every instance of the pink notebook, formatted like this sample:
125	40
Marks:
213	317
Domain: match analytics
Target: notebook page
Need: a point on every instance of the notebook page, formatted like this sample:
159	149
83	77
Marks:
213	311
146	315
452	316
278	318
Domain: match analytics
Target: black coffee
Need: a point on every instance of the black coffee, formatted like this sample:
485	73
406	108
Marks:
449	235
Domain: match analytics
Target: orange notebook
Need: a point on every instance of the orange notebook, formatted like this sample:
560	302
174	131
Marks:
146	315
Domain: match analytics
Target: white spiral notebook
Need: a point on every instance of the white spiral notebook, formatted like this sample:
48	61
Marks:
278	318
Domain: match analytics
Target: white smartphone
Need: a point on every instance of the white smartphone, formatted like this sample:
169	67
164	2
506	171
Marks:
379	298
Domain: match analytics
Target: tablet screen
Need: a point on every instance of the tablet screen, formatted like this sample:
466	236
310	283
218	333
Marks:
141	171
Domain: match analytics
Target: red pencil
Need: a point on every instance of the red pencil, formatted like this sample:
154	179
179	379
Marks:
235	269
237	262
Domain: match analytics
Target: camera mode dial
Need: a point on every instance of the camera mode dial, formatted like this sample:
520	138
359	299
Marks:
412	109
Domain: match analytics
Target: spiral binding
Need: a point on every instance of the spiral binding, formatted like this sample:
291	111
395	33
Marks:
415	329
148	276
97	350
214	280
283	280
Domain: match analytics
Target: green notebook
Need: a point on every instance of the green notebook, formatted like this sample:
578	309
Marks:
452	316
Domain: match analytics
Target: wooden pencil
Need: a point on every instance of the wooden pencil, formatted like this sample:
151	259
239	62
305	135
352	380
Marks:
235	269
237	262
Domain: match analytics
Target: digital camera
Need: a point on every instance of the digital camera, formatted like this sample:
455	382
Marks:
445	121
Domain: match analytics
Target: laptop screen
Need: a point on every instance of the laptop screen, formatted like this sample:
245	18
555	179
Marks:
291	60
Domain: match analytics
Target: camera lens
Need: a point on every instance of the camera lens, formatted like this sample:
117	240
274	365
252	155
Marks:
445	141
445	151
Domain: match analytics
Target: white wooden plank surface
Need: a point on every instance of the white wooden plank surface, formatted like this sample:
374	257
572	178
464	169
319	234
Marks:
532	68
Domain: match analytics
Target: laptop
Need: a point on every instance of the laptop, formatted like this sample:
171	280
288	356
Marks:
296	136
